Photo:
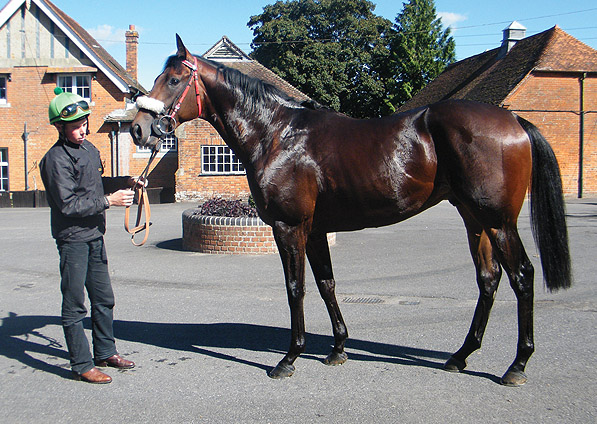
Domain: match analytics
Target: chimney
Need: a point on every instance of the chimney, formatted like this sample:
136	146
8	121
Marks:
513	33
132	40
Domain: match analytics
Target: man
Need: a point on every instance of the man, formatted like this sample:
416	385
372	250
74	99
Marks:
78	196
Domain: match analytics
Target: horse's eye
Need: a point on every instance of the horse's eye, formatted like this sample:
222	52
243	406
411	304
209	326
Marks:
174	81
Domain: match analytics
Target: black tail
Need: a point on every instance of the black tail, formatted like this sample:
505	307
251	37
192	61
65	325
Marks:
548	215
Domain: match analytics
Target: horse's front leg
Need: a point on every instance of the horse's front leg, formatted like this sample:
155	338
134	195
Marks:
318	253
291	242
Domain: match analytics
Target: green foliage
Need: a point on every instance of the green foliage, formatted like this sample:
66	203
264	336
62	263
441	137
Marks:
332	50
339	53
420	50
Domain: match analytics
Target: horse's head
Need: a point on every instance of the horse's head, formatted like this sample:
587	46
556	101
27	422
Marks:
175	98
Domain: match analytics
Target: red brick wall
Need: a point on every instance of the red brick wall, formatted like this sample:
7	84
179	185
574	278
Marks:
544	91
190	183
29	93
229	235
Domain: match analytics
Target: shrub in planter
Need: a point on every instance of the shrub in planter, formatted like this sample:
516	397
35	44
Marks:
231	208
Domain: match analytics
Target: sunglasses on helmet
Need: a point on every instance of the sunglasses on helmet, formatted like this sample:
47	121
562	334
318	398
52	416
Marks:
71	109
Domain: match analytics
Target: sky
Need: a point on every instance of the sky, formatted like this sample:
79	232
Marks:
476	25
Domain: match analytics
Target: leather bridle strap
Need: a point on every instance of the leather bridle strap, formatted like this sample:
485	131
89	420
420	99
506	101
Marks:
194	78
143	202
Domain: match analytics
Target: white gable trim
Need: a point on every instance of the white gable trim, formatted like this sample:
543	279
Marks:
14	5
226	51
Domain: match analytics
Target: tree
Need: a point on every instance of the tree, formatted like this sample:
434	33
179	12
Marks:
335	51
420	50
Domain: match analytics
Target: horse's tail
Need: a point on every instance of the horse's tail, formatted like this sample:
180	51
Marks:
548	215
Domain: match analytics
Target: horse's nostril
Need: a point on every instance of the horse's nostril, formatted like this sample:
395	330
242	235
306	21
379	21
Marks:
136	132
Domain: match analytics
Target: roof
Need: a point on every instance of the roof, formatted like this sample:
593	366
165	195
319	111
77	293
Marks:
228	54
490	77
82	39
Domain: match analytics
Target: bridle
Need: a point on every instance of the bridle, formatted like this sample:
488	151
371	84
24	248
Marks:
162	126
165	124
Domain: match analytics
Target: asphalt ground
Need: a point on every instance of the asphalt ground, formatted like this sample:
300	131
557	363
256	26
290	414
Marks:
205	329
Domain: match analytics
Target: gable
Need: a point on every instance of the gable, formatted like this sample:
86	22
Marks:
37	33
227	53
225	50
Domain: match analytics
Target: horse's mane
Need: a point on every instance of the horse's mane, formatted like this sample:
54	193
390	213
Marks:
253	93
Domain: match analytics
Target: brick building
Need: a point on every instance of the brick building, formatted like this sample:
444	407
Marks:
41	48
550	79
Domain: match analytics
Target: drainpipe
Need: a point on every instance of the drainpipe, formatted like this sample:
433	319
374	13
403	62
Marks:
112	152
25	139
118	149
581	134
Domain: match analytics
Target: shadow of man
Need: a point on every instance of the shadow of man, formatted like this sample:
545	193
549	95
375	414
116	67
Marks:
20	336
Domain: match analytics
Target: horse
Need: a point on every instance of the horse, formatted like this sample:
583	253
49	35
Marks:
312	171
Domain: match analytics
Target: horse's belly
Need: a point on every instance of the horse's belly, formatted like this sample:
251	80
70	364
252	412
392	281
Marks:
343	214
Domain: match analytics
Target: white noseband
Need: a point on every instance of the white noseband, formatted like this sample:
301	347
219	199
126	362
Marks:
152	105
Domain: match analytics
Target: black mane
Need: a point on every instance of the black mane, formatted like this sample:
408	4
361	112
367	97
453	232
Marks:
253	93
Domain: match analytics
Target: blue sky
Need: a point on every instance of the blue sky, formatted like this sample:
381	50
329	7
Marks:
476	25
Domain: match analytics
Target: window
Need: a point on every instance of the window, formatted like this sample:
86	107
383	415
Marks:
2	90
220	160
79	84
3	169
169	143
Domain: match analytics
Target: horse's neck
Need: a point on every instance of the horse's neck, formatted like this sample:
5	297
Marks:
244	131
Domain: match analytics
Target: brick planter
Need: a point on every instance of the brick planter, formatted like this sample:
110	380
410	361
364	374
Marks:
216	234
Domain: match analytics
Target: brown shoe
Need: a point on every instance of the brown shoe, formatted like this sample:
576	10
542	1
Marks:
116	361
94	376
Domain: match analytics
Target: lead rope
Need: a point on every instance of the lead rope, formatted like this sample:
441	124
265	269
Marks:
143	202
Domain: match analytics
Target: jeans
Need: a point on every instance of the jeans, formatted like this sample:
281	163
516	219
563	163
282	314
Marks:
84	265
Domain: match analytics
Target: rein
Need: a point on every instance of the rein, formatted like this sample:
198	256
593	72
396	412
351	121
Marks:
163	125
143	202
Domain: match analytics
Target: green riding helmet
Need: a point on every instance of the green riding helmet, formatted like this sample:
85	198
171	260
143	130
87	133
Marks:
67	107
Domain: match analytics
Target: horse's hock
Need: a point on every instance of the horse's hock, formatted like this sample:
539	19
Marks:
225	235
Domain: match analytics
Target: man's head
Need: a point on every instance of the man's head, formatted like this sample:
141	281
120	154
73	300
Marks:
68	112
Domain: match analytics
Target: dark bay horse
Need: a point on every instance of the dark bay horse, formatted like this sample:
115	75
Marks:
312	171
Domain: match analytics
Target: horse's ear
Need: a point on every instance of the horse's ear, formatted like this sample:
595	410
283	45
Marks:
182	50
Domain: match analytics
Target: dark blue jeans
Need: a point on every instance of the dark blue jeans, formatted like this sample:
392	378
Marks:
84	265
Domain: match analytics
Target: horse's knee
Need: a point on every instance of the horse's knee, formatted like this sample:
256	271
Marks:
488	280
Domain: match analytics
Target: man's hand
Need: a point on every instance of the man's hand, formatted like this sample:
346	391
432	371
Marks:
138	182
121	197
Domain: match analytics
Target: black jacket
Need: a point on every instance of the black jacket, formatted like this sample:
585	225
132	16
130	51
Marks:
72	175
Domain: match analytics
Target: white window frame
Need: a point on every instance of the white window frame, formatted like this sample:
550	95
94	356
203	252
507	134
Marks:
4	181
220	160
79	84
169	144
3	90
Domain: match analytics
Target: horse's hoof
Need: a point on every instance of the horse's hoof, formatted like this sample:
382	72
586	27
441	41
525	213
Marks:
335	358
514	379
454	365
281	371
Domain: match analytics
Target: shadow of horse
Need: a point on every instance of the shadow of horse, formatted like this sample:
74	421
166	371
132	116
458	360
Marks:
202	339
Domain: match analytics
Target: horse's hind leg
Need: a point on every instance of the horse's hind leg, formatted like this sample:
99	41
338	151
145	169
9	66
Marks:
489	273
521	274
318	253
